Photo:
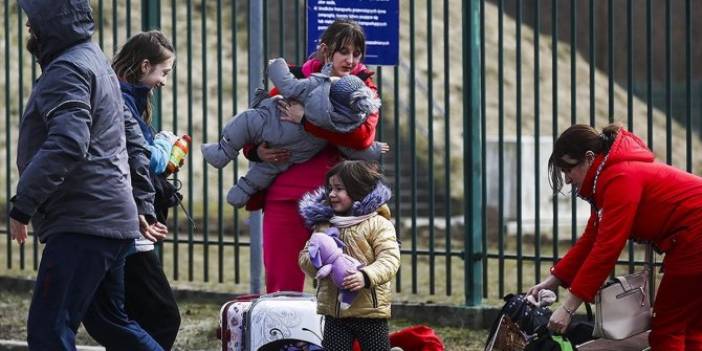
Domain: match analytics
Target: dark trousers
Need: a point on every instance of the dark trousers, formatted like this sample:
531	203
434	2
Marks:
149	298
81	278
371	333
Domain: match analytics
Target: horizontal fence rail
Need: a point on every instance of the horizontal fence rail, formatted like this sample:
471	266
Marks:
470	112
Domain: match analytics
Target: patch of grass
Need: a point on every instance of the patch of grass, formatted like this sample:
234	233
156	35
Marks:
13	324
199	322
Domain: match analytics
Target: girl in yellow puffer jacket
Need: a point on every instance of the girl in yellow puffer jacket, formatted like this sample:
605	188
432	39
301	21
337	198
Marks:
353	201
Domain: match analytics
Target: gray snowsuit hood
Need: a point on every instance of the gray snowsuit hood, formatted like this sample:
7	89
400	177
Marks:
340	109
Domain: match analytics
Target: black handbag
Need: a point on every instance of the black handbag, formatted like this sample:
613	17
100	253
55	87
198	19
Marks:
167	196
527	317
580	331
545	340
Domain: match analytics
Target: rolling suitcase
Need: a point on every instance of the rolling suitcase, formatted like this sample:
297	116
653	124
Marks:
231	323
283	316
270	322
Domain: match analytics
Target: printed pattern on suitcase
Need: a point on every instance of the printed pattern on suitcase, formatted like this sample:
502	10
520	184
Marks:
283	316
231	323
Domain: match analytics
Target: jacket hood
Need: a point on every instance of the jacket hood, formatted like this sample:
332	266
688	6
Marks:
314	207
135	98
140	93
58	25
625	148
320	110
629	147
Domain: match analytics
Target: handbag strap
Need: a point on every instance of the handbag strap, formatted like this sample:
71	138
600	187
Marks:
588	309
649	255
650	264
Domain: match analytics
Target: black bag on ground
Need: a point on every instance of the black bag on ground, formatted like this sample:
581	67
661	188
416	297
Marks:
580	331
528	317
544	340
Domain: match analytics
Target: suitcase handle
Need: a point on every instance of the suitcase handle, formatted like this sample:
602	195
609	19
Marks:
245	297
288	294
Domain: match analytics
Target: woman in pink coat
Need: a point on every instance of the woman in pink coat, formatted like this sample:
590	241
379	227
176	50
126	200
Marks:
284	232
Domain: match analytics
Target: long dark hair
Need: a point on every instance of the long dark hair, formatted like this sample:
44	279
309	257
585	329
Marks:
359	177
340	34
153	46
574	142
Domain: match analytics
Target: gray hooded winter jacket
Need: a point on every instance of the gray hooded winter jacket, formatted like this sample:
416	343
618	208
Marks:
262	124
71	154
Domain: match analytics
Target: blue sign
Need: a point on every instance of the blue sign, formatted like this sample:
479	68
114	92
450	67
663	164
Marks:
379	19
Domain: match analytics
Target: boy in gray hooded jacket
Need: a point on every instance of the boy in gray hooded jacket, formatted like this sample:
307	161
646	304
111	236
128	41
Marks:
337	104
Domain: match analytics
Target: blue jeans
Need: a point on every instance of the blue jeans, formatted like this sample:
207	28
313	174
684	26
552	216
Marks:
81	278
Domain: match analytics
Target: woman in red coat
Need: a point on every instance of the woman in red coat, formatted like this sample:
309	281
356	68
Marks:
632	197
284	233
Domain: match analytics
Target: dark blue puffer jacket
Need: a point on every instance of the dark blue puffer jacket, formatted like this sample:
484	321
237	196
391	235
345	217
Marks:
72	154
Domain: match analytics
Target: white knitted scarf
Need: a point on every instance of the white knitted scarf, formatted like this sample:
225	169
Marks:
348	221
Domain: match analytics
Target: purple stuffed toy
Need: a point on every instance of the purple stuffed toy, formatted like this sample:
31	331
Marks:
327	256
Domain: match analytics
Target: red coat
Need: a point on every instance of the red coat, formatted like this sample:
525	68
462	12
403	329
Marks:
307	176
636	198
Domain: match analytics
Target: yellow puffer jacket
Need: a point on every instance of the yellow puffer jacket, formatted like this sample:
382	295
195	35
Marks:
374	243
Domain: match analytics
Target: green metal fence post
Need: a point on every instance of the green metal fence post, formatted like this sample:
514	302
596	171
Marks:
150	14
151	19
472	145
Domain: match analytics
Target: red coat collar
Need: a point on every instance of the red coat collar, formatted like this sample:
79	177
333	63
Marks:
587	188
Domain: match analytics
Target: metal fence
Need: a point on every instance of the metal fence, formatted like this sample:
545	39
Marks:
482	90
597	71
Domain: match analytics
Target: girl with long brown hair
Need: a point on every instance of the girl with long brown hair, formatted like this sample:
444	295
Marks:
142	65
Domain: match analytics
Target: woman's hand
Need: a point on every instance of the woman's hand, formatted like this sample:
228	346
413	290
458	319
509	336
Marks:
384	147
559	321
561	317
551	283
291	110
272	155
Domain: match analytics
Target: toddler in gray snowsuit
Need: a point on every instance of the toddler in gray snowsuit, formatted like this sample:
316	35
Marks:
340	105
